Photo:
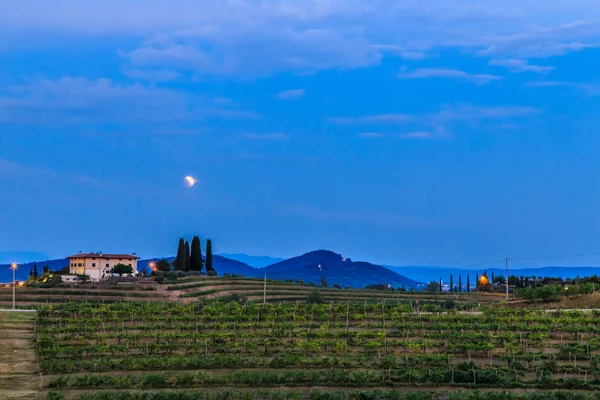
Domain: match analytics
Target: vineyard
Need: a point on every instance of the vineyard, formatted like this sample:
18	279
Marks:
253	290
357	350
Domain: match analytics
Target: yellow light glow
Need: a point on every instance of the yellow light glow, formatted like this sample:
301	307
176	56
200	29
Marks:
483	280
13	265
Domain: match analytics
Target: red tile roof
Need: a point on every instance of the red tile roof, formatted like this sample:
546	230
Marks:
104	255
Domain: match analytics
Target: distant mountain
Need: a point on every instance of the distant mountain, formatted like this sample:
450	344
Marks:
253	261
225	265
427	274
8	257
334	268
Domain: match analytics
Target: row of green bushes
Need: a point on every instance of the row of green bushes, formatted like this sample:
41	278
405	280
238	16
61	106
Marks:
317	394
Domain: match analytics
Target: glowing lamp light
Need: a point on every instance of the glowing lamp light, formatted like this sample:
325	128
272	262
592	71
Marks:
483	280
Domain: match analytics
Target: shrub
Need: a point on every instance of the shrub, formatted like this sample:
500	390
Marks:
173	275
159	276
314	297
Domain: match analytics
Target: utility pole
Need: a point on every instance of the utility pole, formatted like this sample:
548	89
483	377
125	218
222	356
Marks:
506	278
265	291
14	268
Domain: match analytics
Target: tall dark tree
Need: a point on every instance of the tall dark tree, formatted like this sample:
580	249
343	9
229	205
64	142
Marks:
451	287
46	269
468	284
492	277
459	283
196	255
440	284
35	271
187	256
30	274
180	259
209	259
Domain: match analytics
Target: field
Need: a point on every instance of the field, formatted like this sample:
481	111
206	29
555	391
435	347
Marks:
19	377
342	350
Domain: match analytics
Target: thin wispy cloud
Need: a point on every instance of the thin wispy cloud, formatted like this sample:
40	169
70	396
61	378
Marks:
80	101
468	112
12	170
517	66
590	89
152	75
371	119
291	94
424	73
400	51
437	133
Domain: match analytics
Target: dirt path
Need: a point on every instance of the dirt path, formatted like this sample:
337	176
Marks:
19	375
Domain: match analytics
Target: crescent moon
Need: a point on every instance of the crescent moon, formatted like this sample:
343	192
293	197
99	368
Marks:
190	181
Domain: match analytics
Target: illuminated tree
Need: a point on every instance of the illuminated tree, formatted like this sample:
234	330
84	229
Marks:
483	284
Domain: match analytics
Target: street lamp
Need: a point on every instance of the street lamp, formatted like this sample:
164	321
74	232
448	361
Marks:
13	266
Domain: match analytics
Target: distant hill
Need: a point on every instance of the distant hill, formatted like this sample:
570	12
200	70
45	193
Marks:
253	261
335	269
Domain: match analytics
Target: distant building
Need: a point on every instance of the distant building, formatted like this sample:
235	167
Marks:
98	265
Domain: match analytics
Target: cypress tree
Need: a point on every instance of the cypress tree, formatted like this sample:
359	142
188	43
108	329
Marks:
459	283
46	269
440	284
180	258
30	274
451	288
468	284
187	256
209	259
35	271
196	255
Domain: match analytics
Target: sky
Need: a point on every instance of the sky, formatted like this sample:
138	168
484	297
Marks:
400	132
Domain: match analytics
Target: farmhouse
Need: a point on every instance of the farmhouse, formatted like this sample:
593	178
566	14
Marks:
98	265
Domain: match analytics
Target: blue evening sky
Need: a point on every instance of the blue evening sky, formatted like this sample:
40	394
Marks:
400	132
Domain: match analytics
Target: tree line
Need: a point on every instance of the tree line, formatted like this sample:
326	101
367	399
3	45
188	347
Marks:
189	258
